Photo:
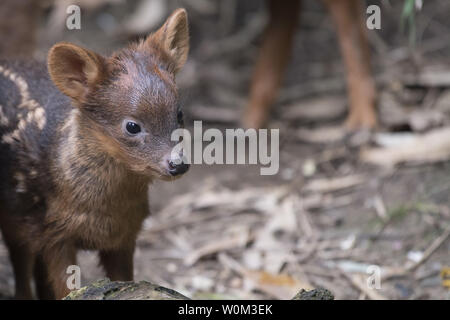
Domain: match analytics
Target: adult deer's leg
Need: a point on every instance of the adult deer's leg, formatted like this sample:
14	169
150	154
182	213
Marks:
271	64
351	29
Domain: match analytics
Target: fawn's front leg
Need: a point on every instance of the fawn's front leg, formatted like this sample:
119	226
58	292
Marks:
348	17
22	261
21	256
44	289
57	258
118	263
272	60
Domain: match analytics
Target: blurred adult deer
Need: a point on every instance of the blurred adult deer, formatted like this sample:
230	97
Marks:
274	57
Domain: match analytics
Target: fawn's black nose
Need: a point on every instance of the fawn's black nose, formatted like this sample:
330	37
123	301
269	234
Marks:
176	169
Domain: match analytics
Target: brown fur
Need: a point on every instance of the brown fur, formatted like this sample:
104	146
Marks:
91	188
18	22
274	56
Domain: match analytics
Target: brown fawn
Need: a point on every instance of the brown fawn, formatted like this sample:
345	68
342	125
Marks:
75	163
274	56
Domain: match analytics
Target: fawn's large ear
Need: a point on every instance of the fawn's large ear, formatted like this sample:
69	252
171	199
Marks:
173	36
74	70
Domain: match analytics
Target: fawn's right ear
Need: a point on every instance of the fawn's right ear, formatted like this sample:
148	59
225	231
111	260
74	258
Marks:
75	70
173	37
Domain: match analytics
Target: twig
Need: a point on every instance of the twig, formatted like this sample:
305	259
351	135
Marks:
430	250
380	209
334	184
401	272
237	41
359	284
238	240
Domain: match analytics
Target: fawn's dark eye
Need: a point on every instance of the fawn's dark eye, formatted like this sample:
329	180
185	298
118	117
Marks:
133	127
180	117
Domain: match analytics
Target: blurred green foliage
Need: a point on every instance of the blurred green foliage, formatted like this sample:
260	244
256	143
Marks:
408	20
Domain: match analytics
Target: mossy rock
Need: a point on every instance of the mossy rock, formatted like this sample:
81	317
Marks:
316	294
104	289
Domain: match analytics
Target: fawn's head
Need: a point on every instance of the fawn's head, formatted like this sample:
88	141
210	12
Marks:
129	101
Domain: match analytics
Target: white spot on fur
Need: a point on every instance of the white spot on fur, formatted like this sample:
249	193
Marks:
4	121
33	173
35	114
18	81
69	149
22	125
38	116
9	138
21	186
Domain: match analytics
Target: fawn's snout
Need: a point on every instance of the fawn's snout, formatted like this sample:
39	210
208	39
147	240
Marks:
175	165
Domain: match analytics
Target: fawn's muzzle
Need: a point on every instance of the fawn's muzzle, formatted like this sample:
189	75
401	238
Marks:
176	169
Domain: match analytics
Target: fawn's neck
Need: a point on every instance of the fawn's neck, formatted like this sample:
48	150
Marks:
89	173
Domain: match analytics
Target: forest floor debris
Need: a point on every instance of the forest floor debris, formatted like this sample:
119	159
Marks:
328	219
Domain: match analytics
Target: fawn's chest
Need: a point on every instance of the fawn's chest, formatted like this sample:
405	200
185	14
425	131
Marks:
99	216
109	228
99	203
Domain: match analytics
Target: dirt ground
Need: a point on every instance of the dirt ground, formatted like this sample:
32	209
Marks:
331	217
